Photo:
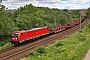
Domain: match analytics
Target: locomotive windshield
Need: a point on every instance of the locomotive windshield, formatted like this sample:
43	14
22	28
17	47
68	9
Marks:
14	35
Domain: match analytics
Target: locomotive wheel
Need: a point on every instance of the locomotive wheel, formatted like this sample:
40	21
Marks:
16	44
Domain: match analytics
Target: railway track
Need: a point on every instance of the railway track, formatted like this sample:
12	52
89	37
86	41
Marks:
15	53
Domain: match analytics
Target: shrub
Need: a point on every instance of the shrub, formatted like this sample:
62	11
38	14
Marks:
33	53
7	45
40	49
59	44
2	43
88	25
82	38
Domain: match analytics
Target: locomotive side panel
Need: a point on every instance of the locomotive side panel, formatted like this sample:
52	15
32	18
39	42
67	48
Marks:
36	33
22	36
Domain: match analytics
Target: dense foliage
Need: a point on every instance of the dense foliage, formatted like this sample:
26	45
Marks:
30	16
72	48
6	24
88	13
5	44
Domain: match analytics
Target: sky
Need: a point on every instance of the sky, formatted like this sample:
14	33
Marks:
60	4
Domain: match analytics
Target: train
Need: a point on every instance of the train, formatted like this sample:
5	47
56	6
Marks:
19	37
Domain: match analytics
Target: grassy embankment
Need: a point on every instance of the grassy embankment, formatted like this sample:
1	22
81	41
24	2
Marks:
71	48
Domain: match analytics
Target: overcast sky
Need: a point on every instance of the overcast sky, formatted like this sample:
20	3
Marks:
60	4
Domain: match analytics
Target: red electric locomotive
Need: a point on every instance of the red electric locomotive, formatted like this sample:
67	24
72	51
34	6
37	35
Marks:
24	35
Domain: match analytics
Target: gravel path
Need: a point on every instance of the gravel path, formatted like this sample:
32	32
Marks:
87	57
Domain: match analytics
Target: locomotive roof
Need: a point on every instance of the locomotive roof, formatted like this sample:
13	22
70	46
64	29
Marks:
35	29
26	30
32	29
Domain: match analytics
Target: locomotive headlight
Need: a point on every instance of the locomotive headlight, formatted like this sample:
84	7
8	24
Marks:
16	38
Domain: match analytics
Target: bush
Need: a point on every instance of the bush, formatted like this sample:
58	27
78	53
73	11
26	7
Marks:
40	49
2	43
7	45
59	44
33	53
82	38
88	25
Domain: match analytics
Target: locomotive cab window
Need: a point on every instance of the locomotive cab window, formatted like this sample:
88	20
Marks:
21	33
14	35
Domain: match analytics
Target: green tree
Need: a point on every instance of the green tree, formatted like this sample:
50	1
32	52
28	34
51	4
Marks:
88	13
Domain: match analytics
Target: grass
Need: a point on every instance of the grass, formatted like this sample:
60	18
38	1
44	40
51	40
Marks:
5	44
